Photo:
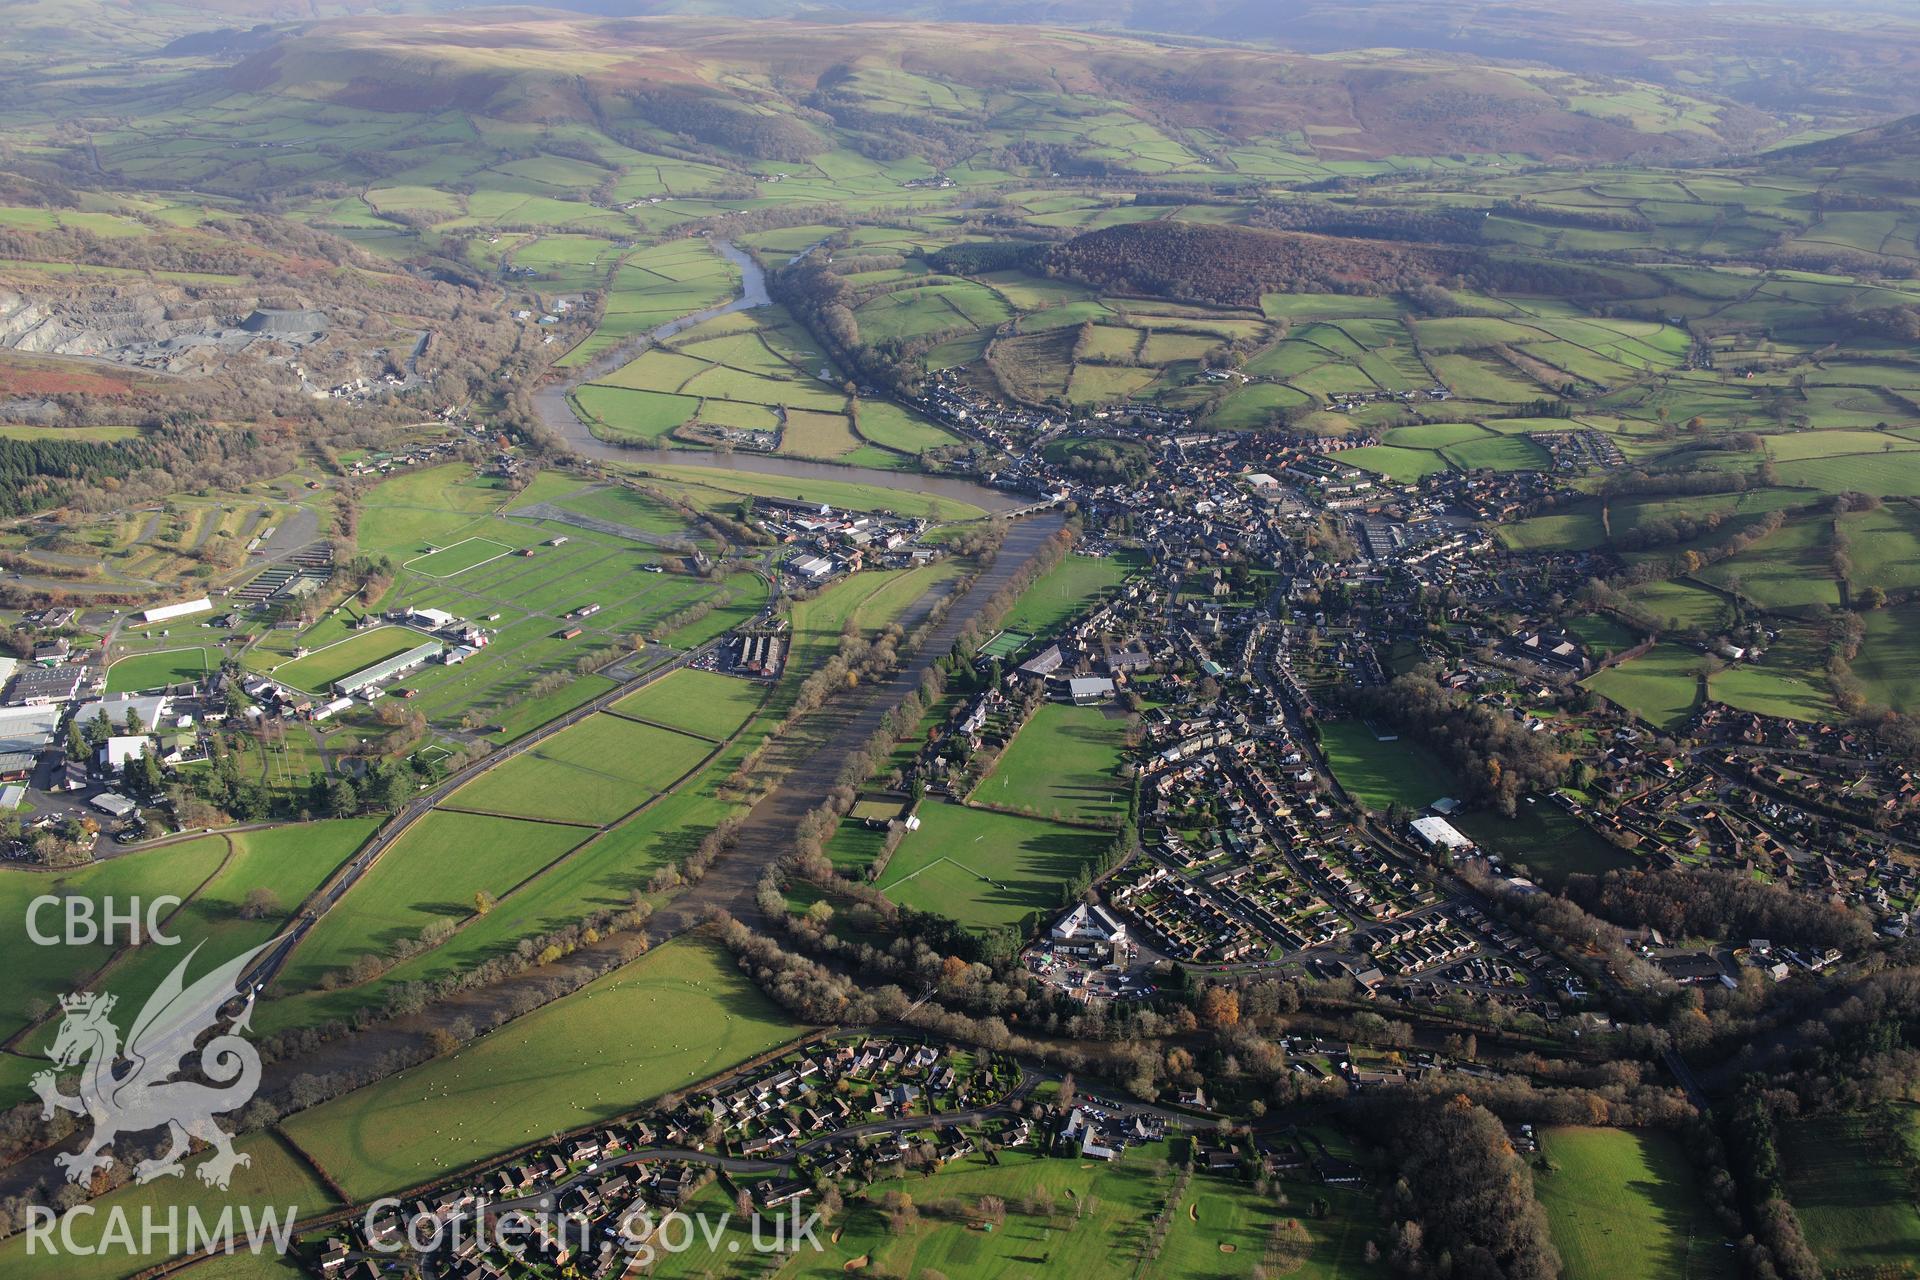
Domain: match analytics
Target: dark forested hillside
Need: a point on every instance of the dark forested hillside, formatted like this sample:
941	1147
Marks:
1235	265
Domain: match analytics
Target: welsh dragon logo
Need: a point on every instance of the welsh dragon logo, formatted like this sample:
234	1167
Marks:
132	1089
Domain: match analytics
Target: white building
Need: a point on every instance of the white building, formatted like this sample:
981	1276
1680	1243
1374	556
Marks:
432	619
1089	924
117	750
168	612
813	568
1438	833
327	711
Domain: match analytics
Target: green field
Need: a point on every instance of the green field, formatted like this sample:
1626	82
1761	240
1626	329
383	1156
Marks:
1064	763
1661	686
463	555
1220	1230
1845	1178
410	509
1551	843
893	427
677	1015
589	773
1622	1205
1404	465
1071	587
1888	666
850	495
1379	774
1777	686
623	411
1004	645
317	672
287	862
697	702
274	1179
432	872
1679	605
153	670
44	974
986	869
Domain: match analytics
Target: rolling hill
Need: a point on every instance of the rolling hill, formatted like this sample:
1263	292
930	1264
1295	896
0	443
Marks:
774	90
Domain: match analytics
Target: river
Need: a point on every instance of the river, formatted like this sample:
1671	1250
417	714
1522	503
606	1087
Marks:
557	415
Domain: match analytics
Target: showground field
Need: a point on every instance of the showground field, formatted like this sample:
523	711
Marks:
678	1014
432	872
154	670
697	702
590	773
1064	763
468	553
1622	1205
316	672
986	869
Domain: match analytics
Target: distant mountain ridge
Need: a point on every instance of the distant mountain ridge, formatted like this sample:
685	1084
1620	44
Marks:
1844	58
773	89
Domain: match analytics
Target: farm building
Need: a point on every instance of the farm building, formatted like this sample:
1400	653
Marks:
11	797
386	669
432	619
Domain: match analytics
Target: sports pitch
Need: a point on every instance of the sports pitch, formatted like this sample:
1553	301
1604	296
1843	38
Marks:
986	869
153	670
1004	645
